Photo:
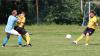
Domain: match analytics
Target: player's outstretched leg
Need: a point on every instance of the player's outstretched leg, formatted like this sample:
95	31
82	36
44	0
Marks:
78	39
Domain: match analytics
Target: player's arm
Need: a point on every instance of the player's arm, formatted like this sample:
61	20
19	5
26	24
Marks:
95	22
18	20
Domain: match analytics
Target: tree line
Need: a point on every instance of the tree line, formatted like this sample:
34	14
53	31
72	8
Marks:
49	11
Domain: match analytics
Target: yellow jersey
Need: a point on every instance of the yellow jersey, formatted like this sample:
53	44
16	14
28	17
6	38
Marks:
92	22
22	21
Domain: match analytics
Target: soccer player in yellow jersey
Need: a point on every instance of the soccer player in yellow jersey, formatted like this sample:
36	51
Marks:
89	30
21	30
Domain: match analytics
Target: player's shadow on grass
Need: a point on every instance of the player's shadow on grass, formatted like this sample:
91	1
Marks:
12	46
16	46
95	44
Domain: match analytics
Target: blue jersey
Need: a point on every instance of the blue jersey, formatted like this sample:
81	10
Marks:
10	23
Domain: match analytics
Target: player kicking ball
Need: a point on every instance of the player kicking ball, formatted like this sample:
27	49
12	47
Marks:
20	28
89	30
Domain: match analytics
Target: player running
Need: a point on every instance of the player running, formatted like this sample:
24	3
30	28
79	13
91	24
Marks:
90	28
9	29
21	30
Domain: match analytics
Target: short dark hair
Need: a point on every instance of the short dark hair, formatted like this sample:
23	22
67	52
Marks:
13	12
92	11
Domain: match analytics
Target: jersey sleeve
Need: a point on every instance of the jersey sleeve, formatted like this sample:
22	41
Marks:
95	20
16	19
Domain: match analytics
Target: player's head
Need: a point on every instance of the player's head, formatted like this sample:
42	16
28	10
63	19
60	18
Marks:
22	13
92	13
14	12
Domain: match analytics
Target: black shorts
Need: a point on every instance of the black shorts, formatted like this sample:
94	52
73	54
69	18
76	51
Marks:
89	30
20	30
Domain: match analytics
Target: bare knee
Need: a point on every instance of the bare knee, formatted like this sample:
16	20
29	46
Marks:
87	34
27	34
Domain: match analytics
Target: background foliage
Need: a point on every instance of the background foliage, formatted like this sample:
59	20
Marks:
50	11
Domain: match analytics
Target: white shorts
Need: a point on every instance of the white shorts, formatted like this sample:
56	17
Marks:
14	32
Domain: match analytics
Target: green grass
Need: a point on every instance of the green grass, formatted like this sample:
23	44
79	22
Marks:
49	40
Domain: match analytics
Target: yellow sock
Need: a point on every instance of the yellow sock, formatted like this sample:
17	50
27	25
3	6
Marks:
24	38
79	38
28	39
87	39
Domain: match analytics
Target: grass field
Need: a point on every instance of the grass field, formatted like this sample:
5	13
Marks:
49	40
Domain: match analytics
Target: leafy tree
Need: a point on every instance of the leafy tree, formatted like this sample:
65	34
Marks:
50	11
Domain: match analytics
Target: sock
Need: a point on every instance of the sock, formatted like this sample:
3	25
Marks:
20	40
79	38
28	39
24	38
87	39
6	39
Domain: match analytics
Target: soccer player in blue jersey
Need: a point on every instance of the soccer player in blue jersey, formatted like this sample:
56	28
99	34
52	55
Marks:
9	29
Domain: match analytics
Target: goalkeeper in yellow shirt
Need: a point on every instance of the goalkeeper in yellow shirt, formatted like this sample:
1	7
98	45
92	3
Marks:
90	28
20	28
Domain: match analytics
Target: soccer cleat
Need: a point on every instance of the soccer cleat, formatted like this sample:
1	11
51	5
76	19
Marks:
29	45
75	42
20	45
3	45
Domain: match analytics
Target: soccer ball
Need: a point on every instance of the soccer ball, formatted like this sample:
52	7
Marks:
68	36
